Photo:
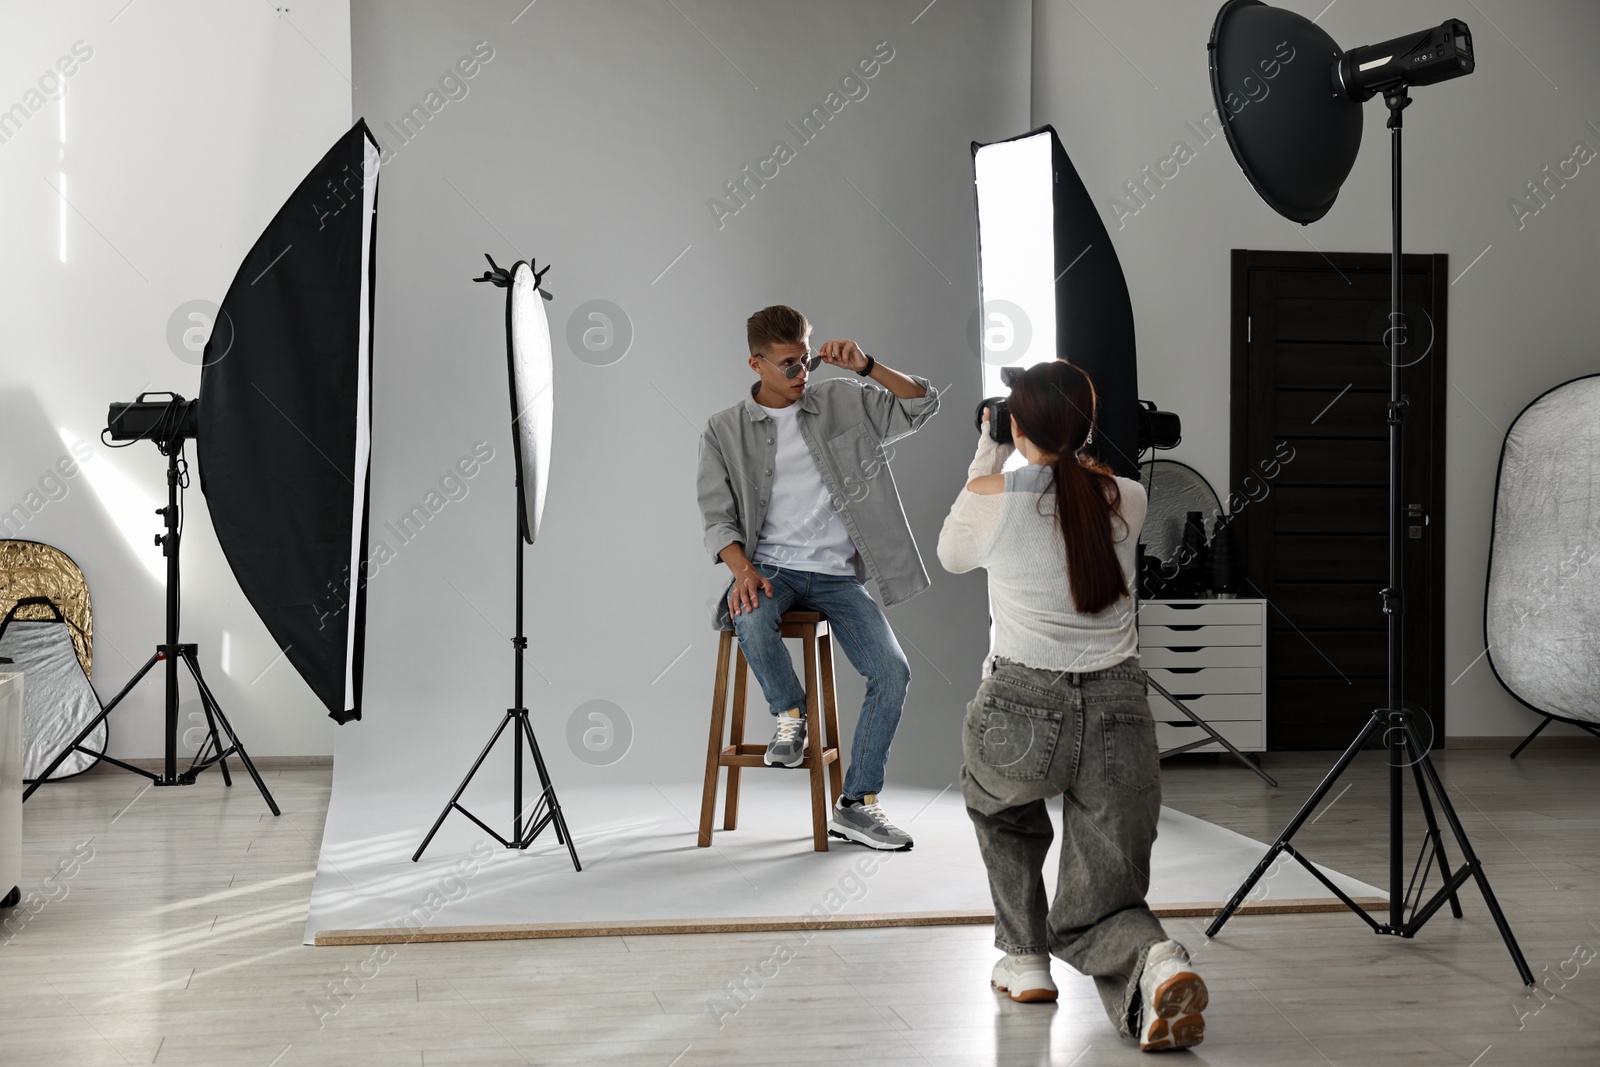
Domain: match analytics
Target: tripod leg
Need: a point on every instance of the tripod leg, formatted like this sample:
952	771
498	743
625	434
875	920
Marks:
1181	706
1294	825
462	788
215	742
208	698
557	818
544	780
1472	861
1434	836
89	729
1537	730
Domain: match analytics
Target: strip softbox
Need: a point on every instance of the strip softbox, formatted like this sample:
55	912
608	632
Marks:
285	420
532	390
1044	257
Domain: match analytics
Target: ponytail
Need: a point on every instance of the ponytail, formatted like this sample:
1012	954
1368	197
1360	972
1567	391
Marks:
1088	498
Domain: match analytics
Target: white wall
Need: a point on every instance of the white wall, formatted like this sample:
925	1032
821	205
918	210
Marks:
1119	81
183	131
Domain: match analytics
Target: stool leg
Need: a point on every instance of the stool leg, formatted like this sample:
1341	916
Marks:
830	716
741	678
719	699
819	820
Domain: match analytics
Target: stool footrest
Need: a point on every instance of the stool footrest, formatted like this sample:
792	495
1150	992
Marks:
753	756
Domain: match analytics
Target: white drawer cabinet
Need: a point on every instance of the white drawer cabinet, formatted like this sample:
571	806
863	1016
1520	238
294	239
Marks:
1212	655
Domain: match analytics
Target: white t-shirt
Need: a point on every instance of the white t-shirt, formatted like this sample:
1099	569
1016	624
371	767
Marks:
802	529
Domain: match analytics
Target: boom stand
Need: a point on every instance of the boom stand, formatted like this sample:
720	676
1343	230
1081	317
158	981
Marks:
212	752
1397	721
547	809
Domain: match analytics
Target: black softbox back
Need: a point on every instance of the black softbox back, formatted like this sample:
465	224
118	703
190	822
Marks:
285	420
1094	314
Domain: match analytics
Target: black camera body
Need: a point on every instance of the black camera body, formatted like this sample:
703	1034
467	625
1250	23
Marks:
999	410
1157	429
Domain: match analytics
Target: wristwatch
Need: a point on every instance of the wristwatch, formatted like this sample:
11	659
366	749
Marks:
864	371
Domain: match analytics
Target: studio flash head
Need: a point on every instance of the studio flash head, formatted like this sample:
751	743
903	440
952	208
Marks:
167	421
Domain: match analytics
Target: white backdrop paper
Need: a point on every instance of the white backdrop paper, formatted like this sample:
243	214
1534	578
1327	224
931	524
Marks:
600	138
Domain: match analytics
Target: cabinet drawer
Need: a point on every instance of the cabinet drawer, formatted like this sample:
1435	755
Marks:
1248	736
1220	656
1209	679
1202	612
1215	707
1191	635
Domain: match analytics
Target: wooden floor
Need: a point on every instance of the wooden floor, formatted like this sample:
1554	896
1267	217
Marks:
171	935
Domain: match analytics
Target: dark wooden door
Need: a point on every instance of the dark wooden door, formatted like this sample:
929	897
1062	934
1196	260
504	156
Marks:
1309	473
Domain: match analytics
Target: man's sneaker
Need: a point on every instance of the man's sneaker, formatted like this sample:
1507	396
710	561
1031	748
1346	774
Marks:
1024	978
1171	998
788	745
864	822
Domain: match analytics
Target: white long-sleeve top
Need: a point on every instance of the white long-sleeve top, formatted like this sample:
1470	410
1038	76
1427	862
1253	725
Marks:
1014	535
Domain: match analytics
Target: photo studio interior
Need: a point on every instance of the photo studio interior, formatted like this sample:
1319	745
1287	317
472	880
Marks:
1123	476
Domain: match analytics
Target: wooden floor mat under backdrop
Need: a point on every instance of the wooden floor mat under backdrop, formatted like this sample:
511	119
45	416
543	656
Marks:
756	925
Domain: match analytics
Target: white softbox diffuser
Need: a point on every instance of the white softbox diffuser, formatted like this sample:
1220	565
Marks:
532	390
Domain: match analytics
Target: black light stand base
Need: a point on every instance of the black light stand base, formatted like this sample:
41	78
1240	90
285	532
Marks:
212	753
547	810
1429	790
525	825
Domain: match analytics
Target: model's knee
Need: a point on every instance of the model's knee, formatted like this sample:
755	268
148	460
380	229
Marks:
894	674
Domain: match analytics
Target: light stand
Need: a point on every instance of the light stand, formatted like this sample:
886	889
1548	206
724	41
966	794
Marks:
547	810
1397	721
171	652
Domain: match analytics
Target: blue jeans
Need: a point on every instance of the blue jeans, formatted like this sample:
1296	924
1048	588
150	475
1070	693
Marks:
859	628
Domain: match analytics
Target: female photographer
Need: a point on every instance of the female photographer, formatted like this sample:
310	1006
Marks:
1061	711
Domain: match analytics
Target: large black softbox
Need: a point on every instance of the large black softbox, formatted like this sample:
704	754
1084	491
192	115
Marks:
285	420
1044	255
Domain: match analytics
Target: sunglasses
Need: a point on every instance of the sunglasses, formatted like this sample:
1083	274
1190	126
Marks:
792	369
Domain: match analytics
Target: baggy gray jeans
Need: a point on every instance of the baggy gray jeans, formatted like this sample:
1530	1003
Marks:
1031	735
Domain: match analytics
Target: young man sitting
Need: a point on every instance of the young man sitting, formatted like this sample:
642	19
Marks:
799	503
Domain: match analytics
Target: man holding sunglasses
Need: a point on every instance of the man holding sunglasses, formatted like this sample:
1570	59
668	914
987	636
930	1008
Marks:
798	502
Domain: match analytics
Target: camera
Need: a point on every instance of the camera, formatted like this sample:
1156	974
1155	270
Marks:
999	413
1157	429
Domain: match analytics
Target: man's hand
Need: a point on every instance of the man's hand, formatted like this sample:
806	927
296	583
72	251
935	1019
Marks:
846	354
747	589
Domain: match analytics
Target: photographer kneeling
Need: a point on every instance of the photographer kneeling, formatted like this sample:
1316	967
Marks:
1061	711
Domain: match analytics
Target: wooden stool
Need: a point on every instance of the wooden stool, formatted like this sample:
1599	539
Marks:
821	751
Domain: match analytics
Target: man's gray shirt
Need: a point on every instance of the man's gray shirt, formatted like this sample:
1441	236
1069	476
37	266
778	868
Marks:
848	427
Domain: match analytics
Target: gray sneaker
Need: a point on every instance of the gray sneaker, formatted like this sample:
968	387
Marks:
864	822
788	745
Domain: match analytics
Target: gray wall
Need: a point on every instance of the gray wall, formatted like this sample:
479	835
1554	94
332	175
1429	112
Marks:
593	139
1120	81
